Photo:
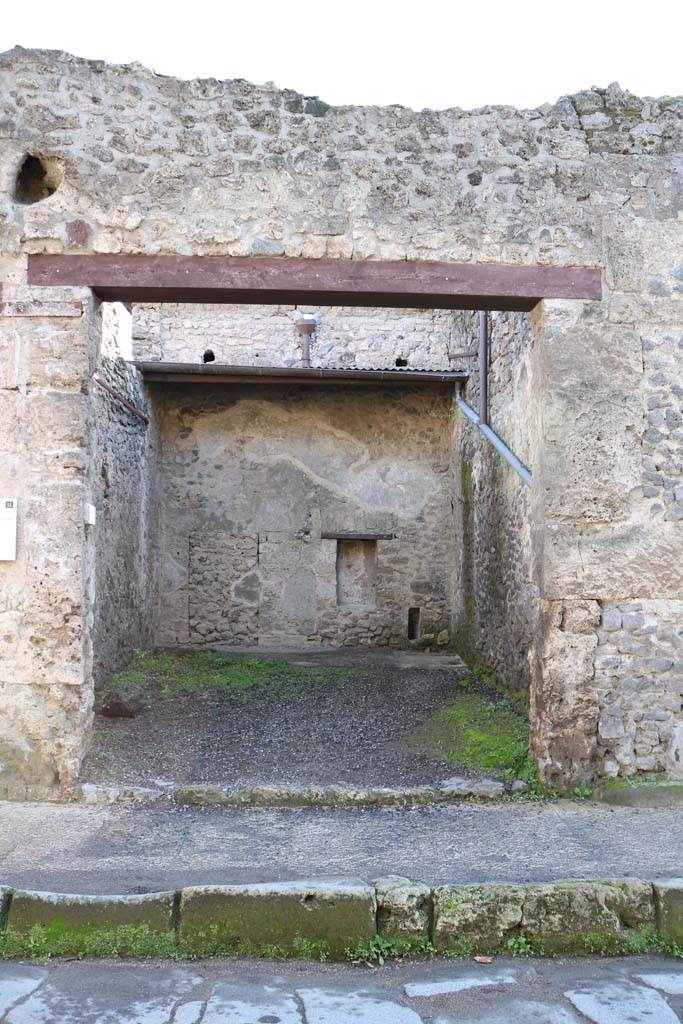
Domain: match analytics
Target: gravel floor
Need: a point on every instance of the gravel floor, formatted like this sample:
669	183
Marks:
349	731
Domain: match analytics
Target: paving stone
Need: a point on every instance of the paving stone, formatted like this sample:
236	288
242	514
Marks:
518	1011
669	982
427	989
250	1002
16	982
127	995
323	1006
189	1013
615	1004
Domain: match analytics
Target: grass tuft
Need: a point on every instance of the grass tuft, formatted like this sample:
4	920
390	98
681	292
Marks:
167	674
42	942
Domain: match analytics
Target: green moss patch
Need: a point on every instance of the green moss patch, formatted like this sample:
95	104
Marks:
479	730
172	673
58	938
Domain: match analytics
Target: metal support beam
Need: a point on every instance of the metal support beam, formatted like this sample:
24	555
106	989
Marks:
496	441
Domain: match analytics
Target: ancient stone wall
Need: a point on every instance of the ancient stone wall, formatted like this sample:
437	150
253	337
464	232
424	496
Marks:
499	593
123	485
133	162
251	479
45	655
265	335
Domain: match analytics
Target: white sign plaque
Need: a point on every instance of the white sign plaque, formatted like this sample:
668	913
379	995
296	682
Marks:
8	529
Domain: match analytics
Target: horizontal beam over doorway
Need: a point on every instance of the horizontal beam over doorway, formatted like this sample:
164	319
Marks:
217	373
320	282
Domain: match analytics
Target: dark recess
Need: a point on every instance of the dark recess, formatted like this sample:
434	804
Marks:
36	180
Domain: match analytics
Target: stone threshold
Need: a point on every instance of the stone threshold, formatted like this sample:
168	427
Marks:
338	795
337	919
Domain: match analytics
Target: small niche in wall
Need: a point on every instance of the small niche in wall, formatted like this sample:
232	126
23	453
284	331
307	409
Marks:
413	623
37	179
356	573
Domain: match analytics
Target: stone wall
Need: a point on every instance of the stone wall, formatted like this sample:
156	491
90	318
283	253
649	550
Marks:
251	477
45	655
499	593
639	680
123	484
265	335
134	162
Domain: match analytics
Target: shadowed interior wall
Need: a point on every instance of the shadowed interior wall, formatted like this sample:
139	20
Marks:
123	484
498	618
250	479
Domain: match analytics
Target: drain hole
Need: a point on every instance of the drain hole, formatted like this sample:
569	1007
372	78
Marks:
413	623
208	356
37	179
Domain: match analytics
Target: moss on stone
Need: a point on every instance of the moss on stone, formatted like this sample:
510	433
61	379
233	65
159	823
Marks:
58	938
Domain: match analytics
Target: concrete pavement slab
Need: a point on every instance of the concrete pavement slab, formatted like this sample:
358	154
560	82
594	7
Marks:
99	996
426	989
672	983
18	981
244	1003
617	1003
327	1006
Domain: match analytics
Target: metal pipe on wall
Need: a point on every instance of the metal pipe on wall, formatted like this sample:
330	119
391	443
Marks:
496	441
305	328
483	367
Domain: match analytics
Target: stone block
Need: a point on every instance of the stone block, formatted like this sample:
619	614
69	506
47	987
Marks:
28	908
586	917
581	616
476	917
669	909
560	917
216	919
201	795
404	907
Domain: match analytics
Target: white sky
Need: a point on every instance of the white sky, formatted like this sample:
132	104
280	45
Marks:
423	53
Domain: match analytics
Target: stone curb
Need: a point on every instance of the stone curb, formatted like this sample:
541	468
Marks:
29	907
334	915
214	795
309	918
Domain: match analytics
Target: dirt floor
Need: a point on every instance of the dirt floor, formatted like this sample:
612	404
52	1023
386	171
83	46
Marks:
361	718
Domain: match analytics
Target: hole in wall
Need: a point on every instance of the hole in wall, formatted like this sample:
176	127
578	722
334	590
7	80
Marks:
413	623
37	178
208	356
401	361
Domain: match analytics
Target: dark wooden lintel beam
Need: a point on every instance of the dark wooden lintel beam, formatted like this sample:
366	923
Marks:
285	280
357	536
